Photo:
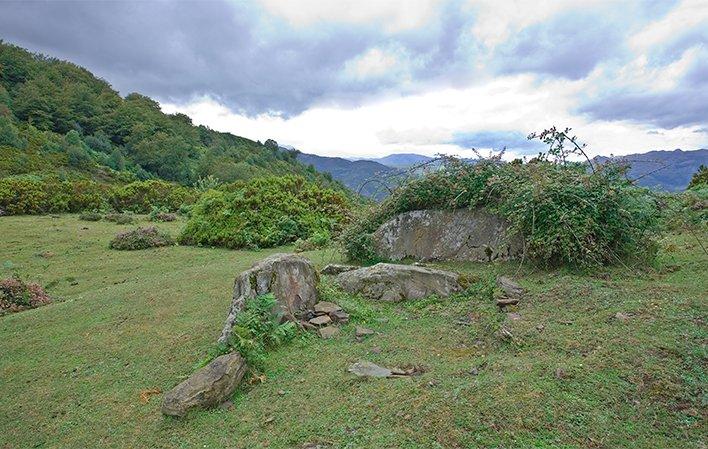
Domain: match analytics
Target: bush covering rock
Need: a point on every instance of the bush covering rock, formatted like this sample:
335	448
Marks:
17	295
141	238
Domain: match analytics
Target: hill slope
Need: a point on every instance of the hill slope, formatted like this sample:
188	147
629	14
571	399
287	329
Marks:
58	118
354	174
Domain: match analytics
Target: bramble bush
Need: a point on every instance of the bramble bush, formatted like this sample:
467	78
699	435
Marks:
566	214
17	295
264	213
141	238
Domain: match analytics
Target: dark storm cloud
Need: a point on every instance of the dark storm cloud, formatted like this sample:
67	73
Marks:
568	46
513	140
686	105
233	51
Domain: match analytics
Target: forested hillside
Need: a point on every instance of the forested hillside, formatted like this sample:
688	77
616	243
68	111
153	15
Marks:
57	118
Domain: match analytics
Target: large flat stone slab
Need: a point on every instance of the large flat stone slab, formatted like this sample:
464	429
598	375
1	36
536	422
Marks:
393	282
454	235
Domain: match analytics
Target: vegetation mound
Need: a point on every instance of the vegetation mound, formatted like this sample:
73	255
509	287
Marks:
17	295
141	238
567	214
265	212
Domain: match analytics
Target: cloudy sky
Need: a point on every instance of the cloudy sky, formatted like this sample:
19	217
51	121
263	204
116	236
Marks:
361	78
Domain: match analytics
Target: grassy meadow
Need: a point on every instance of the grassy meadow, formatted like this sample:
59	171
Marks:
573	374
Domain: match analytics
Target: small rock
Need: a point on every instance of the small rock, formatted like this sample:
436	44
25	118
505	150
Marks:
324	307
474	371
228	405
281	392
503	302
269	420
329	332
513	316
368	369
623	317
561	374
339	316
376	350
321	320
505	334
333	269
540	327
510	288
363	331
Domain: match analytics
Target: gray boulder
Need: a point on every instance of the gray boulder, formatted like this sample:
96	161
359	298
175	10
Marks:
334	269
208	387
392	282
291	278
457	235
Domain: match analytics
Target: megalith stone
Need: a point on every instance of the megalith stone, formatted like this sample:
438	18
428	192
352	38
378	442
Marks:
455	235
392	282
208	387
291	278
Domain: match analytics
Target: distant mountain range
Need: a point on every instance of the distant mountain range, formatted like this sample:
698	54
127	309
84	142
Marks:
660	170
663	170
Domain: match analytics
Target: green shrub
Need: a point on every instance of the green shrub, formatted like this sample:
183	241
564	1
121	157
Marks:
319	239
90	216
567	215
142	196
38	195
700	178
119	218
161	214
141	238
258	328
265	212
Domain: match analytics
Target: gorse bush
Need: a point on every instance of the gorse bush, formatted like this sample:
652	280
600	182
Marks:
141	238
16	295
29	194
265	212
566	214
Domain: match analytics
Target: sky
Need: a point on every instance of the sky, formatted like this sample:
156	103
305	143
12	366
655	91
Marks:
367	78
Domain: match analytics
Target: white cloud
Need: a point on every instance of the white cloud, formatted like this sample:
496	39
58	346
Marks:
425	123
689	14
394	15
372	64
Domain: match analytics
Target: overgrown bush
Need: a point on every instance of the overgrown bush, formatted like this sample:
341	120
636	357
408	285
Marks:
142	196
161	214
119	218
567	214
319	239
141	238
17	295
265	212
90	216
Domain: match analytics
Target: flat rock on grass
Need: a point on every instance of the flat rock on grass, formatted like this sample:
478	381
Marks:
207	387
363	331
329	332
510	288
321	320
326	307
393	282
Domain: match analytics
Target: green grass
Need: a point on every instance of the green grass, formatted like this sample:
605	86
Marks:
71	373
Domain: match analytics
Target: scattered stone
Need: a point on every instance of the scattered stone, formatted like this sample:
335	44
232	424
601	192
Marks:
503	302
281	392
269	420
321	320
324	307
363	331
460	235
510	288
340	316
392	282
474	371
561	374
513	316
376	350
505	334
540	327
368	369
291	278
329	332
623	317
207	387
334	269
228	405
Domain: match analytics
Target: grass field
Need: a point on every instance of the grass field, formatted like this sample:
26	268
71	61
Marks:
573	376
